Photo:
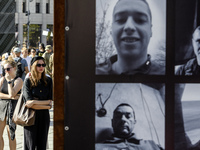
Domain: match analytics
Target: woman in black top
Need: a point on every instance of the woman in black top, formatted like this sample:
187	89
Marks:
10	86
41	50
37	92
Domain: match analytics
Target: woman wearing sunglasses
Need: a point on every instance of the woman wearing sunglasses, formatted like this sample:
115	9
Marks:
37	92
10	86
33	53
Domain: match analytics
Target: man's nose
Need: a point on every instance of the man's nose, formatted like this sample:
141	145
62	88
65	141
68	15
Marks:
129	25
123	118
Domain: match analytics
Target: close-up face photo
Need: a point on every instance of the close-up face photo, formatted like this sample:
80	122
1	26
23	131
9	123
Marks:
130	35
123	121
133	112
131	27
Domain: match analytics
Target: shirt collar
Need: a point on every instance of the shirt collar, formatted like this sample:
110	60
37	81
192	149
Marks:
144	69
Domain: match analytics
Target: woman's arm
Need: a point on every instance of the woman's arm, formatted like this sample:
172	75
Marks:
13	90
35	104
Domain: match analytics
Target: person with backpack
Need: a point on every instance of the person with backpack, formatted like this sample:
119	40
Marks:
22	66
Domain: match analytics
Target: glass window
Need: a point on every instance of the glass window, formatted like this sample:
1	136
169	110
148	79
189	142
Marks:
37	7
24	7
47	8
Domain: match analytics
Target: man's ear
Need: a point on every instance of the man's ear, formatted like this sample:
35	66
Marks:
112	122
151	30
135	121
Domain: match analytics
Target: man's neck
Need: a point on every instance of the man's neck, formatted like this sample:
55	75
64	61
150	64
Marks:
124	136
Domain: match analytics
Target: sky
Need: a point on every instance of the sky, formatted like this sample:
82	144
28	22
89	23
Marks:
191	92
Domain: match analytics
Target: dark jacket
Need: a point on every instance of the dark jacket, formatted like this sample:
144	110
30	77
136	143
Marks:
190	68
149	68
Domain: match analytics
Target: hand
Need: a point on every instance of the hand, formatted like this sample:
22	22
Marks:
50	103
29	103
16	97
8	77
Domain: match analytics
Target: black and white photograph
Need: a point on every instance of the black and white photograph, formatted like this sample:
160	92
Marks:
187	38
129	116
187	112
130	37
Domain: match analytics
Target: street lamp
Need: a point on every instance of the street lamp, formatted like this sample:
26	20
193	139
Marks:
28	23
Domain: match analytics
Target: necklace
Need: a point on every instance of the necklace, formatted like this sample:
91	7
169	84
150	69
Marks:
102	111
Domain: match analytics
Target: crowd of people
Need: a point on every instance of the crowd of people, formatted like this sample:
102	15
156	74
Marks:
29	72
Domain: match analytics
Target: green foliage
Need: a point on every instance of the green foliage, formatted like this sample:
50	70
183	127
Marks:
34	34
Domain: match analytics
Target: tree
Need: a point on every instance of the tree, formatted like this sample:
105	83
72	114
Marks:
104	44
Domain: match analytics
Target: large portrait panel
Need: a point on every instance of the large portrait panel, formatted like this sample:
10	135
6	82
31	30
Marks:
132	113
130	37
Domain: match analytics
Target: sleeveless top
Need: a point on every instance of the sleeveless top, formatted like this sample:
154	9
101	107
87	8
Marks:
7	107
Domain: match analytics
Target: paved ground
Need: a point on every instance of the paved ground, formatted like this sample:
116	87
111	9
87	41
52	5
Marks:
19	136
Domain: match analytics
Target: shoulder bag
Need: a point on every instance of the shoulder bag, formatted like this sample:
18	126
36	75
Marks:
23	116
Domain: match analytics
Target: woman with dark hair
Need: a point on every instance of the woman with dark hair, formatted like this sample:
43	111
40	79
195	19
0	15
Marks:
33	53
10	86
37	92
41	49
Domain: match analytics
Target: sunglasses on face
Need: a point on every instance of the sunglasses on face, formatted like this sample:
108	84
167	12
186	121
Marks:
32	51
7	69
39	65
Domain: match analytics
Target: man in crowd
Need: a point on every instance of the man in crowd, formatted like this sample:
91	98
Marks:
26	57
192	67
51	65
46	56
131	32
123	124
22	66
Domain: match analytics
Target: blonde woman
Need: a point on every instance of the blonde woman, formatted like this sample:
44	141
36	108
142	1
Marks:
37	92
10	86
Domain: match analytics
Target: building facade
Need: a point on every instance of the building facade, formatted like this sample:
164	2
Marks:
40	13
7	25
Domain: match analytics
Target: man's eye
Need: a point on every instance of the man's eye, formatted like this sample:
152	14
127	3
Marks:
198	41
140	20
128	115
120	20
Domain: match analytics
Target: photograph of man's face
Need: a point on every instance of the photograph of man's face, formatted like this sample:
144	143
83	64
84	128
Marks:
129	116
123	121
131	28
129	39
187	38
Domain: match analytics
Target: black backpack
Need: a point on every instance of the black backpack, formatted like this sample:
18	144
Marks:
19	71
